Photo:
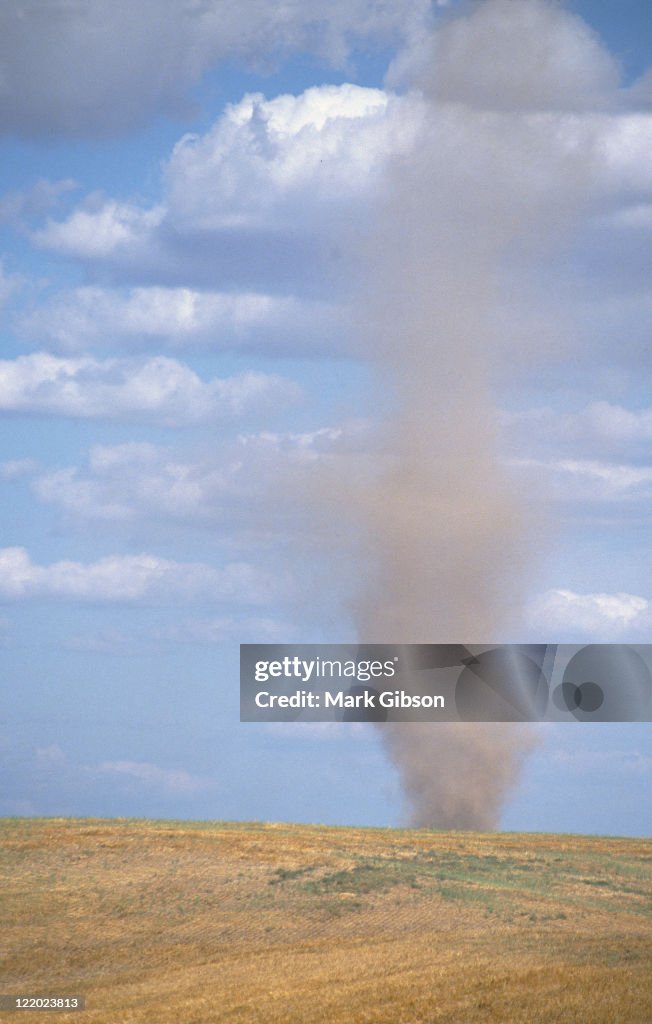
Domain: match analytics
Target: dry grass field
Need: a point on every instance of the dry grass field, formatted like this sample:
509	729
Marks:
157	922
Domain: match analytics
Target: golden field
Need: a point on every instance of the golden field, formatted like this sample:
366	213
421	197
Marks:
157	922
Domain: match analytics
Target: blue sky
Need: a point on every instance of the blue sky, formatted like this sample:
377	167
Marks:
189	225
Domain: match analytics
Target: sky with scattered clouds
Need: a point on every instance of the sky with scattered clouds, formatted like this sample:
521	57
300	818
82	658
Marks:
190	196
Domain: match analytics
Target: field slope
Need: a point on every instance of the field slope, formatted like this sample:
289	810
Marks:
189	922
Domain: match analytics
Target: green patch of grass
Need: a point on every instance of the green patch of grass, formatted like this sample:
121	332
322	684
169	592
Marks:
289	874
370	874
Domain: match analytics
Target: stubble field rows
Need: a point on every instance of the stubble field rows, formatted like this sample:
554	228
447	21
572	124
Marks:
157	922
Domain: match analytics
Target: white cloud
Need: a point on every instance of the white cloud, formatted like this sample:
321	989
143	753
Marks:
14	469
241	485
139	480
172	781
99	228
308	446
130	579
9	284
611	479
614	422
270	199
35	201
603	616
588	430
591	465
588	480
523	56
57	776
623	151
90	68
264	158
269	203
90	317
159	389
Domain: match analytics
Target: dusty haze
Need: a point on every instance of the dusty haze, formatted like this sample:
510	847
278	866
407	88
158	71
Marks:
498	171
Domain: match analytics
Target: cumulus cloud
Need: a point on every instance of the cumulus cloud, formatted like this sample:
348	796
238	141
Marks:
171	781
265	204
594	429
592	479
62	783
600	616
227	486
9	284
269	199
159	389
15	469
264	157
130	579
613	422
100	228
558	64
174	318
95	69
590	467
608	479
140	480
623	150
269	202
21	205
